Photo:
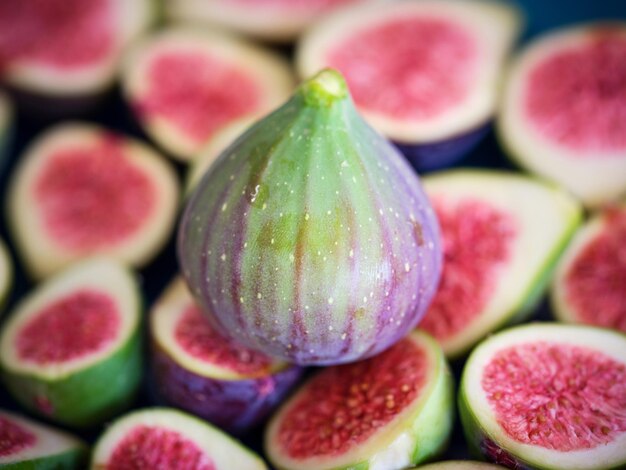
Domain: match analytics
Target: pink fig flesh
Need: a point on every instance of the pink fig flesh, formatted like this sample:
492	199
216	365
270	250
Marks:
552	402
62	33
154	447
14	438
477	240
413	82
594	282
73	326
81	187
197	93
575	97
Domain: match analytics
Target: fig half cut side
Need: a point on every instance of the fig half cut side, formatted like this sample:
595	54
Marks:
547	396
563	111
423	73
502	235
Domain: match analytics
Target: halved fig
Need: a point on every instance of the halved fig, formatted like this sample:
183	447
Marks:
502	235
6	127
161	438
562	114
547	396
221	140
71	349
25	444
6	273
424	74
460	465
386	412
201	371
273	20
590	281
82	190
67	50
184	84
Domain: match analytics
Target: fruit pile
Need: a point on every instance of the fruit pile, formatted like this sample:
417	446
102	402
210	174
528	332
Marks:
219	255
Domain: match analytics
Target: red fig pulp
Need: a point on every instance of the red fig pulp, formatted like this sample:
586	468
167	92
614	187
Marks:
589	283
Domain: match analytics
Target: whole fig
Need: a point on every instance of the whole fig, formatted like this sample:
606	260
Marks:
310	237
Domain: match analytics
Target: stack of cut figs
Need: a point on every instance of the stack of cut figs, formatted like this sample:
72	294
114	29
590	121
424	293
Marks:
217	254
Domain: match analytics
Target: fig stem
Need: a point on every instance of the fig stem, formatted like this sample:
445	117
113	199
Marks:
323	89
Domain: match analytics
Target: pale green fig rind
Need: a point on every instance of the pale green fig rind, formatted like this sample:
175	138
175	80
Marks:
72	459
429	424
529	299
437	412
89	396
173	414
475	434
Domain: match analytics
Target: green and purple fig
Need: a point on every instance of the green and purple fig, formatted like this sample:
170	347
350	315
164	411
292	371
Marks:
310	238
71	349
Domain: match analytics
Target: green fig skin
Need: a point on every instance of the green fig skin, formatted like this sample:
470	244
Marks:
51	448
85	398
310	238
71	460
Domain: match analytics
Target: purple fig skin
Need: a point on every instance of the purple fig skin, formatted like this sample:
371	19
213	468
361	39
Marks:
234	405
310	238
445	152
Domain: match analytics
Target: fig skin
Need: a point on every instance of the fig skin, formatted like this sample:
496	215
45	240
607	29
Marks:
310	238
53	448
236	406
206	374
440	154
